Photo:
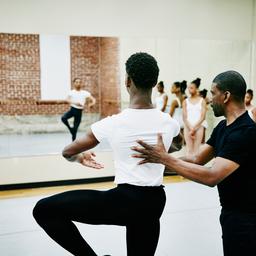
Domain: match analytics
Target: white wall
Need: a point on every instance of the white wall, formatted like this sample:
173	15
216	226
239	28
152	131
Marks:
189	59
55	66
204	19
189	37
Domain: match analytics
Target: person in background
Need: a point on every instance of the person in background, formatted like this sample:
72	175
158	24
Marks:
77	98
194	111
248	104
162	99
203	94
178	88
232	146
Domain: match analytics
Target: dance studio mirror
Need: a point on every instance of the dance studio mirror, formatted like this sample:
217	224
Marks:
37	73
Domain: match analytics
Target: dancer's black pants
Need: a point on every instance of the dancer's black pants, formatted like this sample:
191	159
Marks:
238	232
137	208
77	114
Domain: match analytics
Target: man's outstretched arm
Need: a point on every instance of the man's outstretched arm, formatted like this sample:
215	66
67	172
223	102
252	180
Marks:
189	168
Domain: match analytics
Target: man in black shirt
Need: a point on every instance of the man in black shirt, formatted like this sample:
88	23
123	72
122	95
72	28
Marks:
232	145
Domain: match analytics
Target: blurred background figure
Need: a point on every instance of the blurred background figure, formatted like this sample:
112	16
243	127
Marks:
178	88
248	104
194	111
203	94
162	99
77	98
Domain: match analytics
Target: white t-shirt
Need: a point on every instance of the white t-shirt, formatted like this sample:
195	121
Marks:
122	131
78	96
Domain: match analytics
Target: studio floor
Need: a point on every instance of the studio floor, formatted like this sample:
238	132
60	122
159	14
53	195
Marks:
189	224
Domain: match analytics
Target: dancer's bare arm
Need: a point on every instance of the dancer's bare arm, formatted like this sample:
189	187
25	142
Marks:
173	106
76	151
90	101
254	114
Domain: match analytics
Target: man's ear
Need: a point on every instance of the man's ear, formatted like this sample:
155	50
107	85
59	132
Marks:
227	97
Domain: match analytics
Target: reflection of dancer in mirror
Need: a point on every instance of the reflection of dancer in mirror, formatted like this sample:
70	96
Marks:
248	104
77	99
194	111
139	198
232	144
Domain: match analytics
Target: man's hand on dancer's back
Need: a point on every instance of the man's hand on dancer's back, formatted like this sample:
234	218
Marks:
87	159
151	154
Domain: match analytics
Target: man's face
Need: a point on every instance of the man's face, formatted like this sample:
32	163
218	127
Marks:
218	98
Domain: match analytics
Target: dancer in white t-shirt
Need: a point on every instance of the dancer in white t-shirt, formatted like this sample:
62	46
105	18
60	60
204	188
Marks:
139	198
77	98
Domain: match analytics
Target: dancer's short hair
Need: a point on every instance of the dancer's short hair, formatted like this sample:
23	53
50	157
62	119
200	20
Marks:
233	82
76	78
142	68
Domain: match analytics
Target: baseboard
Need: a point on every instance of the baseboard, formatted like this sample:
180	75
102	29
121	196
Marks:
63	182
55	183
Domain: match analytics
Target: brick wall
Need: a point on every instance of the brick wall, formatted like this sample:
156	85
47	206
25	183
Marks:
94	60
109	76
85	64
19	66
32	107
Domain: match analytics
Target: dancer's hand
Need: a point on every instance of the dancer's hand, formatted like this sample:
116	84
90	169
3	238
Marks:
79	104
87	159
151	154
192	133
90	106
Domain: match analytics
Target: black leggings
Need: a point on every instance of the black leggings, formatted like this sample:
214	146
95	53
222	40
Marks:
77	114
137	208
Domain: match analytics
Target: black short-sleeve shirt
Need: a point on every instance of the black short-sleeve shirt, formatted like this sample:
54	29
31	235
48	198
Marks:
237	142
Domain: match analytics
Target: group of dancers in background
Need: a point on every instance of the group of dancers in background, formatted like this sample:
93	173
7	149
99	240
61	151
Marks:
190	110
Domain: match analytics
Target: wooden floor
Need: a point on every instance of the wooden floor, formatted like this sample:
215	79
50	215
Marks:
189	224
50	190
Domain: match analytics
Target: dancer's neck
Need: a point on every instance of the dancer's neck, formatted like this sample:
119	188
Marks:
141	101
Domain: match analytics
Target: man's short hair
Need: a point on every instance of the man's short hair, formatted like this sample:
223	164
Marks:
142	68
233	82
